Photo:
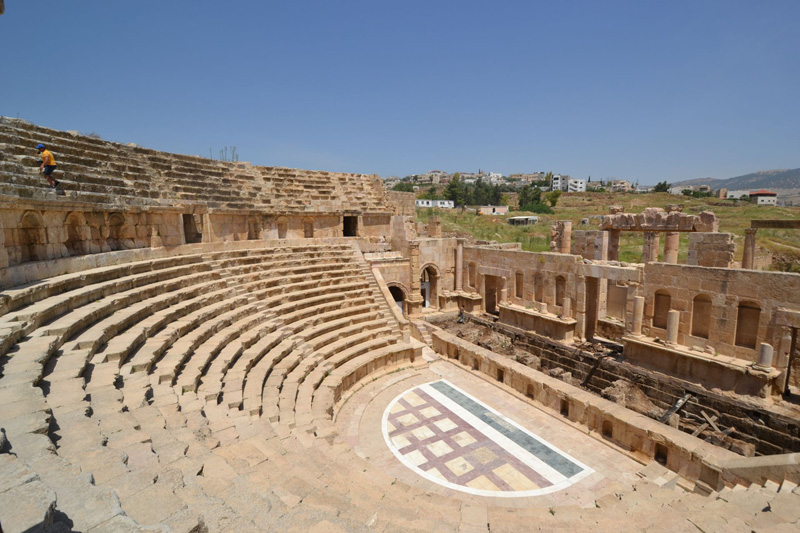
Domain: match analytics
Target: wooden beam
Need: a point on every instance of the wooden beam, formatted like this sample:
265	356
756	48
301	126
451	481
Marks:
710	420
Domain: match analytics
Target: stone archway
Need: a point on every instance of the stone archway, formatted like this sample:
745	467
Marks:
283	227
429	285
254	229
33	237
400	295
308	228
116	222
75	227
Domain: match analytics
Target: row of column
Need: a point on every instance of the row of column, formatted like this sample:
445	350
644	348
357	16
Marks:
672	240
652	241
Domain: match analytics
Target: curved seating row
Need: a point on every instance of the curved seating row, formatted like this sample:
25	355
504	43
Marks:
106	172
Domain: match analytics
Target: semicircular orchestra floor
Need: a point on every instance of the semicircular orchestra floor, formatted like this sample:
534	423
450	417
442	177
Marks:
452	433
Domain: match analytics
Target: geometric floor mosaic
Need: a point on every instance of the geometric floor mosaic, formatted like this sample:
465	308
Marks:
451	438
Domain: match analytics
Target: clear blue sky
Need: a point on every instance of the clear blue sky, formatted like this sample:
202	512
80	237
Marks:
640	89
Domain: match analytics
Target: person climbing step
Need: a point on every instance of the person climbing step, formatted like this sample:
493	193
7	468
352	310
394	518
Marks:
48	165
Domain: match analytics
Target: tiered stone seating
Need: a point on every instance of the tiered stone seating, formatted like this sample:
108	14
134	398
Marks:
97	171
107	365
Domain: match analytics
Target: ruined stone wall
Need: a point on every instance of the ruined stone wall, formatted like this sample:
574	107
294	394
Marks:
402	203
590	244
711	249
540	273
725	289
376	227
440	253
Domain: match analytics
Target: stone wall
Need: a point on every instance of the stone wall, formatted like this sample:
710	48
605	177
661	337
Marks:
540	274
711	249
590	244
402	203
768	293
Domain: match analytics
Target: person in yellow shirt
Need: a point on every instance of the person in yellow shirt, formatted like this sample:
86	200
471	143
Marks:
48	165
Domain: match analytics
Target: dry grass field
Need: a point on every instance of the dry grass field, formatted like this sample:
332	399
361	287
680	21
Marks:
734	218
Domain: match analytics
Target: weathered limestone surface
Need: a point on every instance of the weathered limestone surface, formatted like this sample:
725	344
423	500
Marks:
711	250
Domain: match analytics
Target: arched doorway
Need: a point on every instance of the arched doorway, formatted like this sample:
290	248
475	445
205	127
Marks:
399	297
429	286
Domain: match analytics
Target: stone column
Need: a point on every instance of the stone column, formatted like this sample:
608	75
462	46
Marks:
460	265
566	236
765	354
673	322
638	314
566	309
749	248
206	235
613	245
601	241
650	248
415	299
580	309
672	240
435	227
502	292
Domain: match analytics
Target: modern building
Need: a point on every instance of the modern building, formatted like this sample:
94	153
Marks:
493	209
442	204
567	184
558	182
576	185
763	197
621	186
737	195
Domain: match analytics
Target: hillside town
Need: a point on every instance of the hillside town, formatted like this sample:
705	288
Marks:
431	187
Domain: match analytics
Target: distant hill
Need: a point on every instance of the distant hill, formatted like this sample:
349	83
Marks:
764	179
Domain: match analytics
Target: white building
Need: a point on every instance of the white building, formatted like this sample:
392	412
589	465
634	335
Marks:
764	197
575	185
738	194
443	204
558	182
567	184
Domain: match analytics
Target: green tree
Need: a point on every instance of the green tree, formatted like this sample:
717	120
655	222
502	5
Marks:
530	195
497	195
482	193
403	186
552	197
661	186
455	191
